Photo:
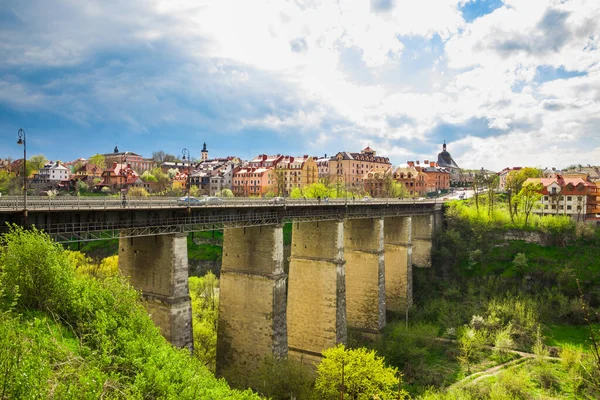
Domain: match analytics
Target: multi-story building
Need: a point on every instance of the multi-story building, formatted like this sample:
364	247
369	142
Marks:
413	180
52	173
503	175
322	167
138	163
593	172
120	177
437	179
376	182
266	161
568	194
350	168
294	172
252	181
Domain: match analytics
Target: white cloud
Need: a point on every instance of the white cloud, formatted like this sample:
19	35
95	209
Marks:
288	56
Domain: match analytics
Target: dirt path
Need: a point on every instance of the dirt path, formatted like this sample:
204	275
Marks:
525	357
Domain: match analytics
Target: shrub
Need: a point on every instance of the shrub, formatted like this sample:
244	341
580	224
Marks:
36	271
137	192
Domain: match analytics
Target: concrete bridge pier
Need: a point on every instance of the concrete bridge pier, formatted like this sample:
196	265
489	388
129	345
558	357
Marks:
398	264
422	239
317	290
252	299
158	266
365	274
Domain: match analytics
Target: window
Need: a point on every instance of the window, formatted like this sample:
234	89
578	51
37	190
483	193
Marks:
545	198
553	190
546	206
568	207
568	198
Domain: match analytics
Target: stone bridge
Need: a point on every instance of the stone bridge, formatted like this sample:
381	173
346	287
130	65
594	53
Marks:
350	263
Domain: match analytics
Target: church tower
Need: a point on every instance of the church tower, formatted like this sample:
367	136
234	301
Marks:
204	153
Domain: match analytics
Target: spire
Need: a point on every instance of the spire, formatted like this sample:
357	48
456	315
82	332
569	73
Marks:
116	150
204	148
444	147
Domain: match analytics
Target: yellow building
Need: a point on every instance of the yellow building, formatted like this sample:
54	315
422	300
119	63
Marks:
350	168
294	172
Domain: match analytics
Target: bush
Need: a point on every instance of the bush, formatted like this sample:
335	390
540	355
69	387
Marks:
137	192
115	351
36	271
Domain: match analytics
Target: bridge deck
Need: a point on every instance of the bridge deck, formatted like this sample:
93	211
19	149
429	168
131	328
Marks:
83	219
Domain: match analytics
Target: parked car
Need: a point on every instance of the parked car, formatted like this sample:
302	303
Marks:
366	198
277	200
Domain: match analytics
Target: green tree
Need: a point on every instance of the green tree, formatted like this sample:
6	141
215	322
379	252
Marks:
528	197
226	193
359	373
318	190
81	187
7	181
99	160
296	193
470	344
148	177
205	308
514	183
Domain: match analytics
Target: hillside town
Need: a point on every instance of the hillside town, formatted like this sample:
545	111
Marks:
574	191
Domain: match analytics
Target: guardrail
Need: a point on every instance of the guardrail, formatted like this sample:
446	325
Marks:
16	203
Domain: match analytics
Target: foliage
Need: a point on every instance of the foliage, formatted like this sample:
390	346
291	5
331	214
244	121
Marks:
205	309
296	193
81	187
194	191
8	181
137	192
528	198
106	346
99	160
283	379
148	177
365	375
471	343
35	270
105	189
35	163
172	173
227	193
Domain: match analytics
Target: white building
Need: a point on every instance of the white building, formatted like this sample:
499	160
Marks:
53	172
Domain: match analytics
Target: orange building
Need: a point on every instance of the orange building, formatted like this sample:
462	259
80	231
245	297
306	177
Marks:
437	179
119	176
252	181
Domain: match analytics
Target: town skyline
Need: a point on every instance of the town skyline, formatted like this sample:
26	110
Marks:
504	83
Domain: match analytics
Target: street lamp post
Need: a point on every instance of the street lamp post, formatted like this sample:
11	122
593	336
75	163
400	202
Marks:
185	152
22	141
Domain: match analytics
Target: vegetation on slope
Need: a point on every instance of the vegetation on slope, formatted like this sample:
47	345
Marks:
69	336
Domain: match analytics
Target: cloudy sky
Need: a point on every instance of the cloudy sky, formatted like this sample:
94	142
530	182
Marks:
504	83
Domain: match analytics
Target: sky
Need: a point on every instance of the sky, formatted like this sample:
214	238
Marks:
503	83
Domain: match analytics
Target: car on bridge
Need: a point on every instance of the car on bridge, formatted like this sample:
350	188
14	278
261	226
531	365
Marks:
193	201
188	200
277	200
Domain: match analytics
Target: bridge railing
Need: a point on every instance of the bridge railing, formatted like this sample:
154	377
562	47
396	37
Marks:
16	203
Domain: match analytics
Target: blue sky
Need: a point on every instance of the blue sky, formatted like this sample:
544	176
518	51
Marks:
514	82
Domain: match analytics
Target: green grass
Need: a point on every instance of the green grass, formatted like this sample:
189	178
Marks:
559	335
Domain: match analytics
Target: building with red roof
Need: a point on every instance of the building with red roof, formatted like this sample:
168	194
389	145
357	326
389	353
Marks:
570	194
